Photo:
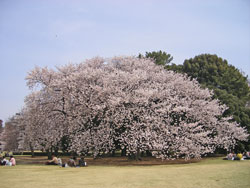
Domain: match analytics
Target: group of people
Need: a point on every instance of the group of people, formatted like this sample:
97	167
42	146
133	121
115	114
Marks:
5	162
72	162
239	156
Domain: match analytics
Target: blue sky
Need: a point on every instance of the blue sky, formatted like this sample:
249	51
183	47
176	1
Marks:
55	32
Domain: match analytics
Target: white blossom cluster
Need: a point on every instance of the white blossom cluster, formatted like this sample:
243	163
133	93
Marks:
127	103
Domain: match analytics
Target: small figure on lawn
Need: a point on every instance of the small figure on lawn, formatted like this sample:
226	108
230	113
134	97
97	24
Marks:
54	161
230	156
12	161
4	161
82	162
247	155
72	162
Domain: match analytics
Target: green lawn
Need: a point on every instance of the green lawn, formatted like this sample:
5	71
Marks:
214	173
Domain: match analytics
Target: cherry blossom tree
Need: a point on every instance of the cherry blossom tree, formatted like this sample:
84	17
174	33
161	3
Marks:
127	103
10	134
44	125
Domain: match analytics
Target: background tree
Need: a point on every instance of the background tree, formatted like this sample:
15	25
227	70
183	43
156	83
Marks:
248	102
160	57
164	59
10	135
1	125
230	86
2	143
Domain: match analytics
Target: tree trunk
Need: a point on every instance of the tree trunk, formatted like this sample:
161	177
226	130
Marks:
56	151
142	154
113	153
137	155
49	153
148	153
123	153
32	150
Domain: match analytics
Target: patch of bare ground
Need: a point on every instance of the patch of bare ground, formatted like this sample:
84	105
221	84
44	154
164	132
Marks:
108	161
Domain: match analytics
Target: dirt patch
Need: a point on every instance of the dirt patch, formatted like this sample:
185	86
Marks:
109	161
124	161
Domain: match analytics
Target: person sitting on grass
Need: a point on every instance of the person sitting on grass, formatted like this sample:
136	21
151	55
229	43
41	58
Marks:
72	162
230	156
235	156
240	156
247	155
4	161
12	161
59	161
1	161
54	161
81	162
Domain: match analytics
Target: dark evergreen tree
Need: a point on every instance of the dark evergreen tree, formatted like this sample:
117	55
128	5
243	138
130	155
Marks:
161	58
230	86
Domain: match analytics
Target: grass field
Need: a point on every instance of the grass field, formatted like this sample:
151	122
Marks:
214	173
